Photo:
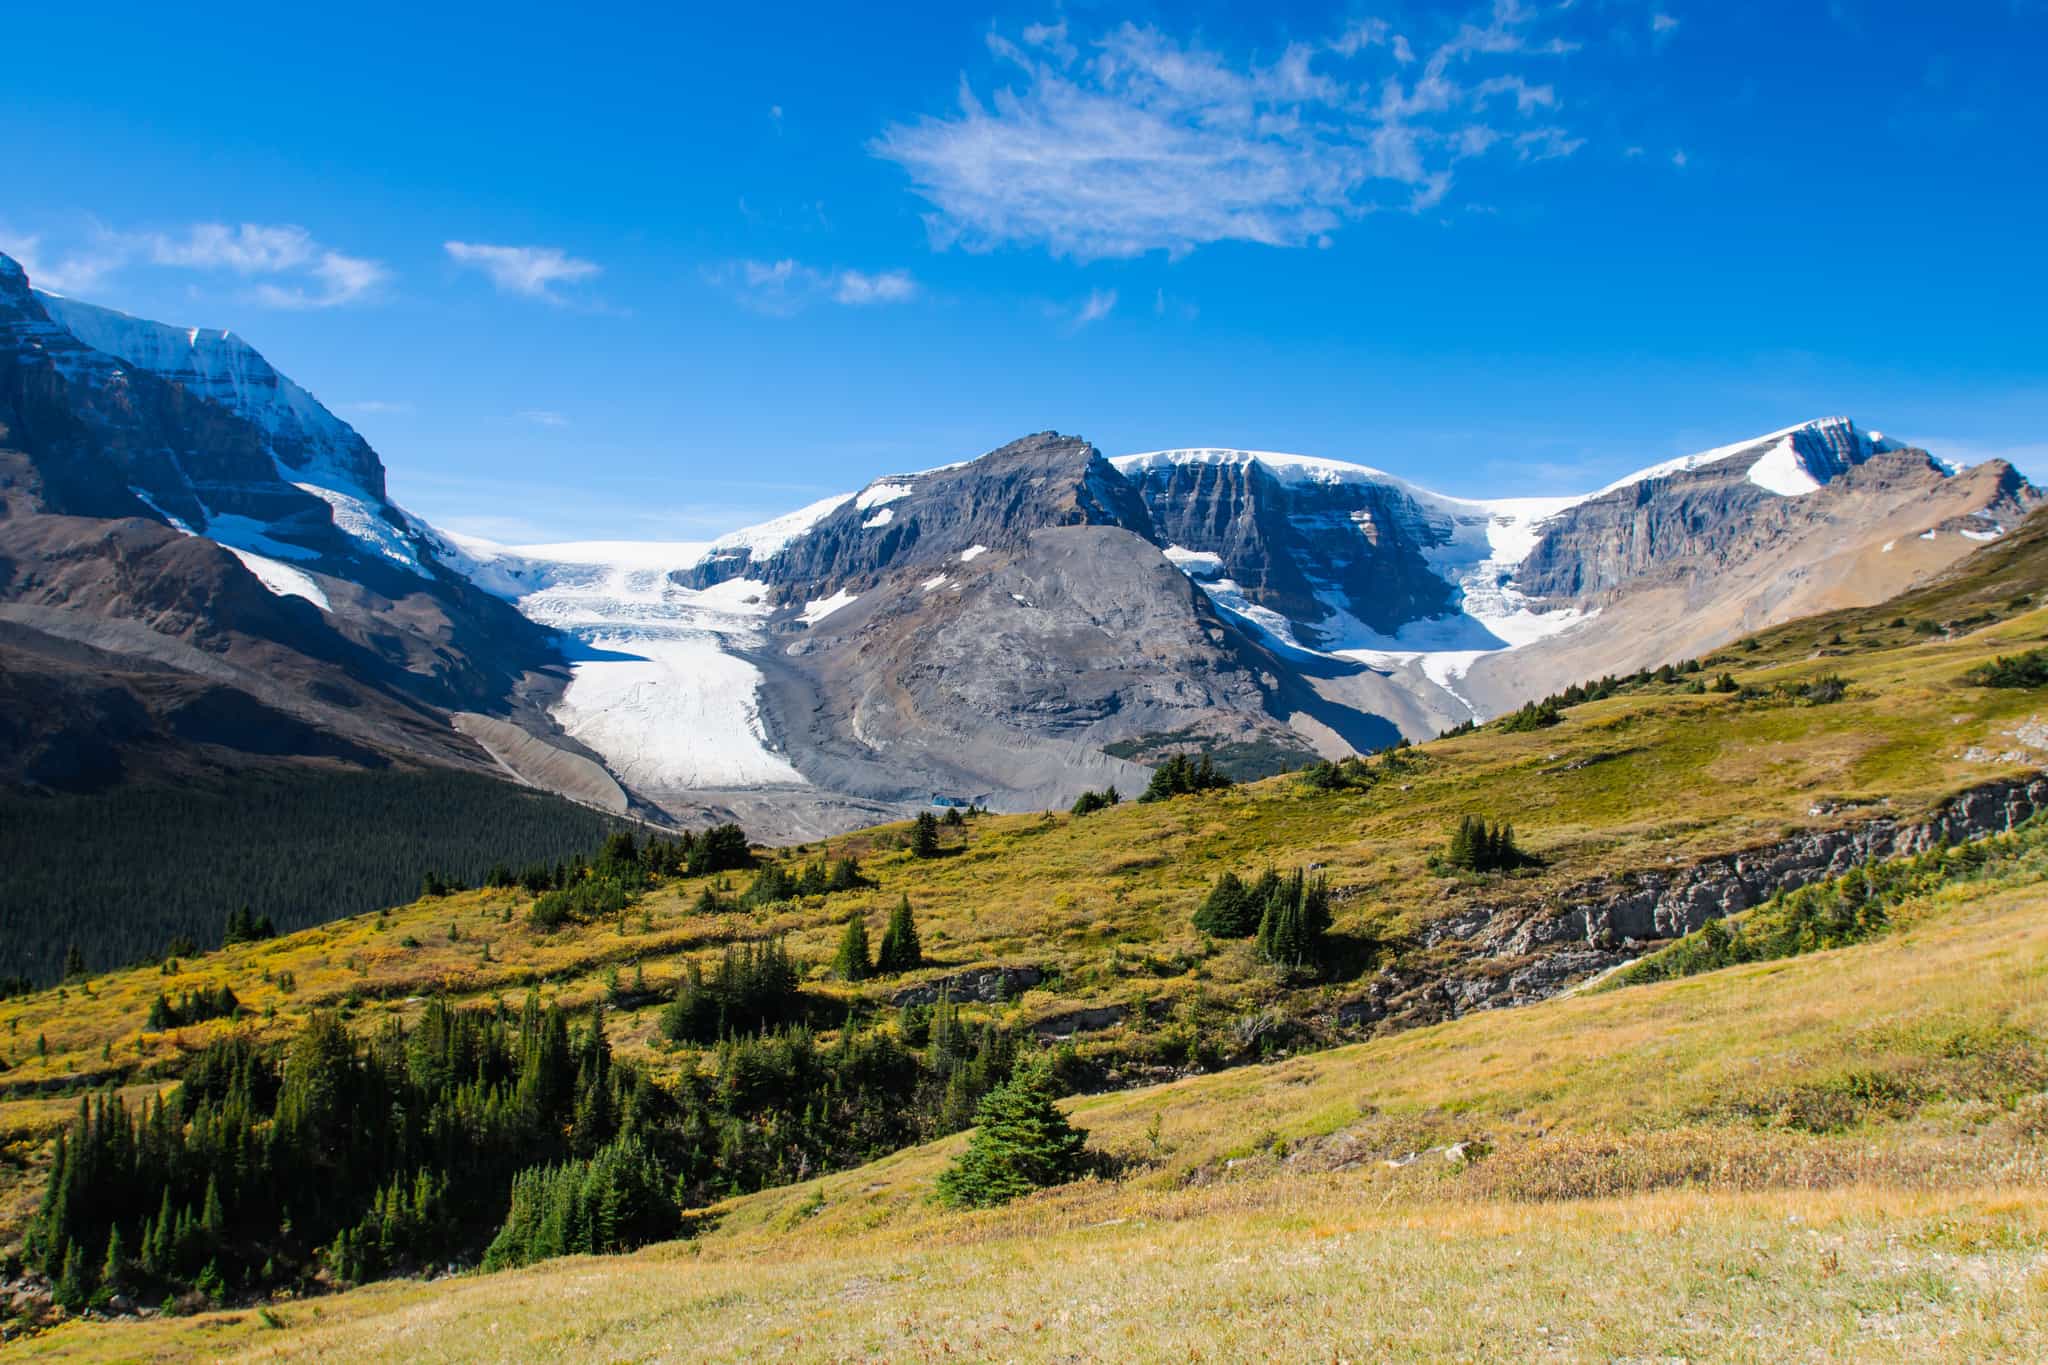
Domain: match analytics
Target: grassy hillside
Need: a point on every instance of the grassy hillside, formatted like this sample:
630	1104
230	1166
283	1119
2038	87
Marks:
1829	722
1836	1156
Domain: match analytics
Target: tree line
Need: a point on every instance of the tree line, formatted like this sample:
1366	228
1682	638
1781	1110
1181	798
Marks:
124	874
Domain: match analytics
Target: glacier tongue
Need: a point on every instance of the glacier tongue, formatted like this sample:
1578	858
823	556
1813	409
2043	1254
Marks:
656	687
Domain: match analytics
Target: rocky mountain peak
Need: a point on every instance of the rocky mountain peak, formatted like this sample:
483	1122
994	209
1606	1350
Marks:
306	439
915	521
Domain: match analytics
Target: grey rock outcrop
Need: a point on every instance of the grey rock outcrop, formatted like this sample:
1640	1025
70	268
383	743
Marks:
987	985
1518	954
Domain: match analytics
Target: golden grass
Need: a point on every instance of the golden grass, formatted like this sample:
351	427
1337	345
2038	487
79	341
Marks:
1696	776
1629	1204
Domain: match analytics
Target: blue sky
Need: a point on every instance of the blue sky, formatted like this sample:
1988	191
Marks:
649	274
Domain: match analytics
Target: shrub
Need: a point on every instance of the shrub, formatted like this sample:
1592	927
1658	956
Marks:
1532	716
1091	801
2012	670
1825	690
1347	774
1184	776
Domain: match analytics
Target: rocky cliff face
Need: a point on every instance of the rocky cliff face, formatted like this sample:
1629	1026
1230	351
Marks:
1001	676
1308	548
1693	518
222	369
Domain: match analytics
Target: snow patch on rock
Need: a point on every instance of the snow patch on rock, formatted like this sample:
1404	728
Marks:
817	611
282	579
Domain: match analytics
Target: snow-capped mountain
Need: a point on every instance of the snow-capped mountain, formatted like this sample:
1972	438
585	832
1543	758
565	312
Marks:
873	643
310	442
1010	628
203	572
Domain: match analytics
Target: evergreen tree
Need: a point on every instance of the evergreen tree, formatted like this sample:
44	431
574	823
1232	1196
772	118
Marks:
73	1283
1022	1142
853	962
1476	846
1294	924
114	1270
924	836
1183	776
900	951
771	885
1230	910
74	963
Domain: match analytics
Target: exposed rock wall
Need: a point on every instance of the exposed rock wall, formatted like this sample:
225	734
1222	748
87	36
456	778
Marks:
1519	954
1298	547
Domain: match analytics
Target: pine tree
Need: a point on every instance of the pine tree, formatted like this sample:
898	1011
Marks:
74	963
900	950
1022	1142
1296	921
115	1269
924	837
1460	852
853	962
213	1221
72	1286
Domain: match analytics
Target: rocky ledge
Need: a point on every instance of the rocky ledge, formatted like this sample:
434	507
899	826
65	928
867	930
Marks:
1519	954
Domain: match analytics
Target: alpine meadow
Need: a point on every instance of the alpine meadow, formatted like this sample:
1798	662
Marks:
679	811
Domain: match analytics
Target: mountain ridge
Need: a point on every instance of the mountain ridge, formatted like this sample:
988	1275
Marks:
986	629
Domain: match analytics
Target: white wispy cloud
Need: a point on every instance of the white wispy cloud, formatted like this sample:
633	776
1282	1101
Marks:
1099	305
532	271
379	407
1072	316
786	287
1138	141
541	417
287	267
